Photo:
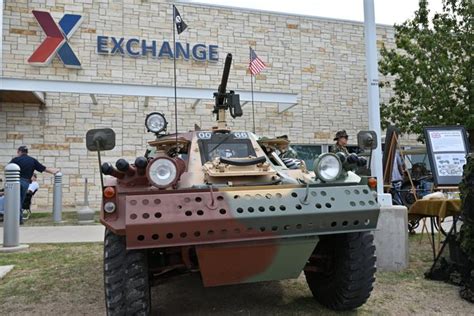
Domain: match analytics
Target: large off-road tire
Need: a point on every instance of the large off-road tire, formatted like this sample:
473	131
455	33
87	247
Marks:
126	279
340	273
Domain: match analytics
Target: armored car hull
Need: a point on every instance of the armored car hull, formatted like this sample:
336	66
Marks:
234	208
241	234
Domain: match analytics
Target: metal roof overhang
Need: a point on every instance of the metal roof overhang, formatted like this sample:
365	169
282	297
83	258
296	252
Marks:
30	97
285	101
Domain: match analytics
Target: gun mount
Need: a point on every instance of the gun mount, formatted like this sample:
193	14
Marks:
226	100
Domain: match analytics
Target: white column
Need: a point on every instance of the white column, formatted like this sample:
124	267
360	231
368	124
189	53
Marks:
373	96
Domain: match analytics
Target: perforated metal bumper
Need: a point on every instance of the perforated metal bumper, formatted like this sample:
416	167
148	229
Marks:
176	219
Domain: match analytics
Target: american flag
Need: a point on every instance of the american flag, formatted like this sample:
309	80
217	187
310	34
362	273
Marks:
256	64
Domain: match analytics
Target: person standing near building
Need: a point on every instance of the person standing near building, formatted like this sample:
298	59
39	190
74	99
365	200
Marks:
28	165
341	142
398	170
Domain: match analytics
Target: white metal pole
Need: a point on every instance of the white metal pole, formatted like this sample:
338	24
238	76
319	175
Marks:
373	96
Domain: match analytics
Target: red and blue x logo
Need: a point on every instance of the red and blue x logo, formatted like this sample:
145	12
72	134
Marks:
56	41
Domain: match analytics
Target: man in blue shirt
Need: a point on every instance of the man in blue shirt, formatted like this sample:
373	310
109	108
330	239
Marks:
28	165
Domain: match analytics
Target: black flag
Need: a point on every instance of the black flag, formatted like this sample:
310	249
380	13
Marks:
180	25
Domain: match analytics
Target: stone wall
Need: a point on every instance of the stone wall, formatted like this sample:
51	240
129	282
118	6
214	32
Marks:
321	60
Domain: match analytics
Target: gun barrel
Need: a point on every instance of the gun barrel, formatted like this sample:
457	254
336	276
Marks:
225	77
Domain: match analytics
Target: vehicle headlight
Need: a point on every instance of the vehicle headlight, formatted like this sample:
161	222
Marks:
109	207
342	157
328	167
162	172
155	122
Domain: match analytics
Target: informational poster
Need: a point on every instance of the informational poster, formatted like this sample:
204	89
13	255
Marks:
447	150
450	140
450	164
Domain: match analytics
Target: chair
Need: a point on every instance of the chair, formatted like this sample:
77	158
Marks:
26	207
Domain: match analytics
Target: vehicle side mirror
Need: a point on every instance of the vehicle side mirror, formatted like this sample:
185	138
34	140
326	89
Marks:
100	139
367	139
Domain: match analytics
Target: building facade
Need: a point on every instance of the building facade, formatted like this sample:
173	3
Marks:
320	61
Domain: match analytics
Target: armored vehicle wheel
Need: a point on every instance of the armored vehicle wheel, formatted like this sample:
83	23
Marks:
341	270
126	281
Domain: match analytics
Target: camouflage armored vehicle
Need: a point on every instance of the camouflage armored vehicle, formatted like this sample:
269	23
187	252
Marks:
223	204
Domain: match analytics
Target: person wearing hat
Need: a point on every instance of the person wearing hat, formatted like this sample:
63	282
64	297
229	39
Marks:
288	155
28	165
285	150
341	142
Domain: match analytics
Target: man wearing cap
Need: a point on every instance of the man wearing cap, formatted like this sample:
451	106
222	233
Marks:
341	142
28	165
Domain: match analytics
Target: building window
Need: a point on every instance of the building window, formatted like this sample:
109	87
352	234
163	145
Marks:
307	153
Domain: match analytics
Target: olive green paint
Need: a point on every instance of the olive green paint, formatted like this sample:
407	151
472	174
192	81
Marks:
299	212
289	260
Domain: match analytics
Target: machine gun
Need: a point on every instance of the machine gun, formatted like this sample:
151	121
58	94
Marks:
226	100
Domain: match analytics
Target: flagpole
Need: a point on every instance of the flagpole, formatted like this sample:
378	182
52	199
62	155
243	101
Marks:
251	88
175	90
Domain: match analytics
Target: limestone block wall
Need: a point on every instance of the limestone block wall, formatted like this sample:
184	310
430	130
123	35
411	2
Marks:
321	60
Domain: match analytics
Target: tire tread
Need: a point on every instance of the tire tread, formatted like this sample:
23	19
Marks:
126	281
350	284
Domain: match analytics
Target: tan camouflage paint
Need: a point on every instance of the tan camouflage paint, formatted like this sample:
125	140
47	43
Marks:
241	234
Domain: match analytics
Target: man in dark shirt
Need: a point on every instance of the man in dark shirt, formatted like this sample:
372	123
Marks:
28	165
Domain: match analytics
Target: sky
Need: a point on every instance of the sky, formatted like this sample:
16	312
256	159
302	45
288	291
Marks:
386	11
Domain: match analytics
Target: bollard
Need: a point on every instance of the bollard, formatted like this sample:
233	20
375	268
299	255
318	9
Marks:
57	197
11	219
85	214
86	193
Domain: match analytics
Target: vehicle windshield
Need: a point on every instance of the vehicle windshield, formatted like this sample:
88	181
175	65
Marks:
233	145
228	150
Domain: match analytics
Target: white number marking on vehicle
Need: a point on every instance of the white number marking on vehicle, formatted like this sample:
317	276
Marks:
204	135
241	135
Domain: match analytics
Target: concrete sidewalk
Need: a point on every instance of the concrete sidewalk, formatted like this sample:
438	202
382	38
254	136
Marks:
89	233
59	234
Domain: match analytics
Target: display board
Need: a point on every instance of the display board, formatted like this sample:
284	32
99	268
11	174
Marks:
447	149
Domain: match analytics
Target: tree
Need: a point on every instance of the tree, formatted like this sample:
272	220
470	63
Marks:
432	69
466	234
